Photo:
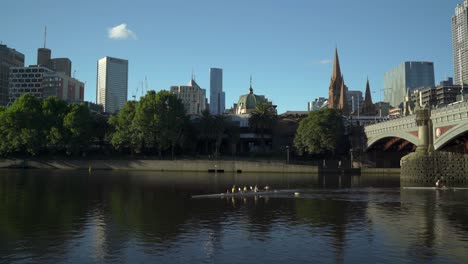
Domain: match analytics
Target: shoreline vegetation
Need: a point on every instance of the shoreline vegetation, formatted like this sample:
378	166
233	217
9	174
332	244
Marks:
157	125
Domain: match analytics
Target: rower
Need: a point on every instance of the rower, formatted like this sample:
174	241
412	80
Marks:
267	188
245	188
233	190
256	188
438	184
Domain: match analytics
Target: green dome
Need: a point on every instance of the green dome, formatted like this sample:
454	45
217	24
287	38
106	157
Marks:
251	101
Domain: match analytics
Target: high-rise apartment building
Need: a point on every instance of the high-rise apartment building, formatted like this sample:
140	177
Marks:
112	83
192	96
407	76
460	42
217	96
8	58
26	80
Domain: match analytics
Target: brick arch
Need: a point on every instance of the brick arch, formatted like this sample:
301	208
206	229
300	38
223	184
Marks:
450	135
403	135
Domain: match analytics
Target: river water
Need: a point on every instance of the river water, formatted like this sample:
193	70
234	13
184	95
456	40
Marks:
150	217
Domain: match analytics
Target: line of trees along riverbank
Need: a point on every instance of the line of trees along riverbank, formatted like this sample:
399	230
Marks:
157	125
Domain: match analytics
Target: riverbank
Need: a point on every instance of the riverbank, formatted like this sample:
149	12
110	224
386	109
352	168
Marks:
162	165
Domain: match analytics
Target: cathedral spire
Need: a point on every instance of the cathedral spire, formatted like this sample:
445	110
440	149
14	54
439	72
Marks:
368	107
336	66
336	84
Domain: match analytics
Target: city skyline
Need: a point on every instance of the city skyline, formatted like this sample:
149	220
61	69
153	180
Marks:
285	46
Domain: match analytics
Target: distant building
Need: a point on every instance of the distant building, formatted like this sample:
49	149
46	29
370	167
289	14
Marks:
192	96
447	82
62	65
317	104
337	98
367	107
42	82
439	96
355	100
409	75
26	80
112	83
217	96
62	86
8	58
460	43
44	58
248	103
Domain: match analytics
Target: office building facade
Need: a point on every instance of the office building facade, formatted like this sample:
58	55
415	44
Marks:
460	43
62	86
26	80
8	58
409	75
217	96
112	83
192	96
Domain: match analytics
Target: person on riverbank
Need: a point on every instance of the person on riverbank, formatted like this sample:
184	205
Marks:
439	183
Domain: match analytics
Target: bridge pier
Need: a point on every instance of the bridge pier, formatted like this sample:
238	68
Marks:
425	165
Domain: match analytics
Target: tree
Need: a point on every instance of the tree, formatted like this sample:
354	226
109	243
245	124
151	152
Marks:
263	118
159	121
77	123
321	132
21	127
54	111
124	134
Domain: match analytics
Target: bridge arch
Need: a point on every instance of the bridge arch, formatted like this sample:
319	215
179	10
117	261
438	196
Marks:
393	134
450	135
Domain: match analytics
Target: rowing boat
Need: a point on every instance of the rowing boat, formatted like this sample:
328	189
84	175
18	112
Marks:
436	188
248	194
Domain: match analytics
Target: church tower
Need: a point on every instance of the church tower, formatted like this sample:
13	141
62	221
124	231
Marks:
337	98
368	107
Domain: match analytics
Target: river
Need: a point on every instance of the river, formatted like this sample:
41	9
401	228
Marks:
150	217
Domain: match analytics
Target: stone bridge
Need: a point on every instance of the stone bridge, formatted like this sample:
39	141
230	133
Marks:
448	126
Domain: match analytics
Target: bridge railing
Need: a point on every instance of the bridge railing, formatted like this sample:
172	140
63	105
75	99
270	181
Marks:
400	124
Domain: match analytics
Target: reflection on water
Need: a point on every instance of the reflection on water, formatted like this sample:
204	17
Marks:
108	217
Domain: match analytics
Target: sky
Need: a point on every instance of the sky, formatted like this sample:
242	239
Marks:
286	45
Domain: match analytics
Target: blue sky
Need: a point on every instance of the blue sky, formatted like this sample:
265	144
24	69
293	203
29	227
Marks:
284	45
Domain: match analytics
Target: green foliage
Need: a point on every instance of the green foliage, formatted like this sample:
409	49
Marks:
124	135
159	121
263	118
54	111
21	127
321	132
77	123
210	131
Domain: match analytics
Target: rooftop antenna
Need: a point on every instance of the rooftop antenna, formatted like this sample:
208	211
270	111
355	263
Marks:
250	80
45	36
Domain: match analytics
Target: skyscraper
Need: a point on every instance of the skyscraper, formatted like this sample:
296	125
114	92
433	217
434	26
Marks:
8	58
407	76
112	83
217	96
460	42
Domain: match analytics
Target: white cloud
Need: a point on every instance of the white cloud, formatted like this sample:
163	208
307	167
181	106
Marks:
121	32
325	61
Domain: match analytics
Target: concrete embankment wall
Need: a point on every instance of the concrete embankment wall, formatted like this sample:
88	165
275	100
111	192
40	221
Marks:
163	165
427	167
380	171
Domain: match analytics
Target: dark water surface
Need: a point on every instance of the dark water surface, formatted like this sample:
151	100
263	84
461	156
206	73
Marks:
148	217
